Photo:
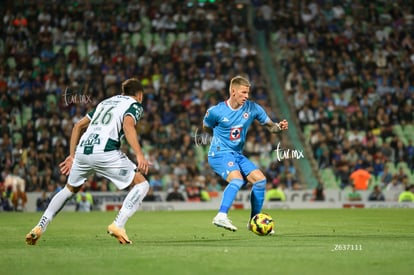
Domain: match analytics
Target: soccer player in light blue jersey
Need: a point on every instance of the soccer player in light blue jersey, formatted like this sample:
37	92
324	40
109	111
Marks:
229	122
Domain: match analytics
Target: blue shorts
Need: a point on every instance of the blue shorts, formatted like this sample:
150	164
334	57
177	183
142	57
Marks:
224	163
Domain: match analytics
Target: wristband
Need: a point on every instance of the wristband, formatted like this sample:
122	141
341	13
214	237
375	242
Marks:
275	128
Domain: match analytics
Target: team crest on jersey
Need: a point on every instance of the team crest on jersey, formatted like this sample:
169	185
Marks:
235	133
246	115
230	164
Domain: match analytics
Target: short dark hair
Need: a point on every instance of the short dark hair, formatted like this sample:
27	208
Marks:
131	86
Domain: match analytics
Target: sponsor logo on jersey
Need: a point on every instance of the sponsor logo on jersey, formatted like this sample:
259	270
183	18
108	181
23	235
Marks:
235	133
91	140
139	111
246	115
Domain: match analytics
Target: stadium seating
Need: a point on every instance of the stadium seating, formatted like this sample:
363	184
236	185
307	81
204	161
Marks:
324	58
176	84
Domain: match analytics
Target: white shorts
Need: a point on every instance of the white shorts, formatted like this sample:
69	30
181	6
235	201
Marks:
113	165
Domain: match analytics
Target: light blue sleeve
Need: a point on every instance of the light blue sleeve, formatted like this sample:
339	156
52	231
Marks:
210	118
261	114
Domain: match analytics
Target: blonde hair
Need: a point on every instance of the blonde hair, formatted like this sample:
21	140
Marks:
239	81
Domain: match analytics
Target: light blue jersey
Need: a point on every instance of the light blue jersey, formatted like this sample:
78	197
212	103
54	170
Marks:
225	155
230	126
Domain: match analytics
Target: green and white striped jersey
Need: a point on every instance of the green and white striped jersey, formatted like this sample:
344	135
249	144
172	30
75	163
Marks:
105	129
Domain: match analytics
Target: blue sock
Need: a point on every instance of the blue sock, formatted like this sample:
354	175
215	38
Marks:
257	197
229	194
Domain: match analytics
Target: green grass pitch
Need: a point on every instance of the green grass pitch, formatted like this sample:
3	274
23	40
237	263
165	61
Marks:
342	241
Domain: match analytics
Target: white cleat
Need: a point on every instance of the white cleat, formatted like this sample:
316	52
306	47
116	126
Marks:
225	223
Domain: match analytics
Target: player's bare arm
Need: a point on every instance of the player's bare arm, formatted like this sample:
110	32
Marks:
77	131
276	127
132	138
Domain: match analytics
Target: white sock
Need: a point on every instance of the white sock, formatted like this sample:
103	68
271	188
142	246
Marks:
221	215
131	203
55	205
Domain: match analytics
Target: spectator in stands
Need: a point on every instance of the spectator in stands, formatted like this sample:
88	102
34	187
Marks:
395	185
378	167
275	193
42	202
388	152
407	195
175	194
352	156
401	175
151	196
386	176
6	198
400	151
324	160
84	201
46	60
290	181
193	191
360	179
354	195
156	182
410	155
319	193
343	174
376	194
375	75
213	185
319	53
306	116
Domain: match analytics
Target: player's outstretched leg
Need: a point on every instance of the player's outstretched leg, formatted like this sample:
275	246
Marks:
257	197
130	205
229	194
55	205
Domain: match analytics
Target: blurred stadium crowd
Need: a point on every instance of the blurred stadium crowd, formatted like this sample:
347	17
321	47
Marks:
348	69
58	60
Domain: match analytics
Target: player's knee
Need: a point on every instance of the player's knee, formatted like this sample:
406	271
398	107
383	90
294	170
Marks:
237	182
145	185
260	183
142	182
138	178
73	189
